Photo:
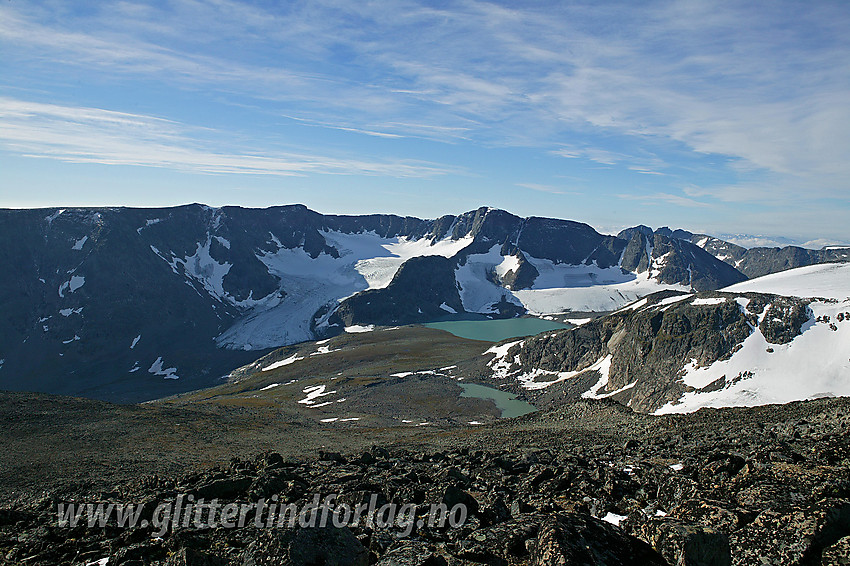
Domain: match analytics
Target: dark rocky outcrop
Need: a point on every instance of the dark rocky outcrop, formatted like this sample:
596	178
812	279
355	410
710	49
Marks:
650	345
578	539
672	260
416	294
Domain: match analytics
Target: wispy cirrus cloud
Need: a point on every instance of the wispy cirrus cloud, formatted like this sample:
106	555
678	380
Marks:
666	198
545	188
678	71
93	135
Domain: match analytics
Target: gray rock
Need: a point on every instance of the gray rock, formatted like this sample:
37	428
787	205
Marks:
329	546
685	544
574	539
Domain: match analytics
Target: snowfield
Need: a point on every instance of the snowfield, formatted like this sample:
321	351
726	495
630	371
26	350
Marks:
559	288
815	364
367	261
825	280
477	292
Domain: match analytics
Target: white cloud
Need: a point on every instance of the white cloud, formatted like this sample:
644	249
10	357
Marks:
824	242
543	188
676	200
681	71
92	135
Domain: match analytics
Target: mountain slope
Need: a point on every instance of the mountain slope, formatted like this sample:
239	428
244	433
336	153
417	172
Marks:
672	260
674	352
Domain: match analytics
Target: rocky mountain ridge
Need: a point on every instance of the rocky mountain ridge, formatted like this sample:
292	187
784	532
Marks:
752	262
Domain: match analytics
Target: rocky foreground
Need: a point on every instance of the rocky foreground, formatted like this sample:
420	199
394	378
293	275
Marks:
749	486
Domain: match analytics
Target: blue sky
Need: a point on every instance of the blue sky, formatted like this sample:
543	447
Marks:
723	117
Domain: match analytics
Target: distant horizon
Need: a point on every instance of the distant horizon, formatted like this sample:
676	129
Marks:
743	240
723	118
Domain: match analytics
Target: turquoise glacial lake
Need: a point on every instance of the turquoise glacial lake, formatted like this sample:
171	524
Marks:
506	402
496	330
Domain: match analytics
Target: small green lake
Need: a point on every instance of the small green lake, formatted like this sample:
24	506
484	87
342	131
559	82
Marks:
506	402
496	330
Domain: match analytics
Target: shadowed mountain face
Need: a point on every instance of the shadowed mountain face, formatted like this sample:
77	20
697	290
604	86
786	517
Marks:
132	304
671	260
752	262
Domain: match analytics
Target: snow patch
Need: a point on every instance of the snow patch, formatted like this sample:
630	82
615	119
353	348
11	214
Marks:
54	216
500	364
272	386
477	292
826	280
314	392
68	312
447	308
357	328
664	304
74	339
71	285
78	245
206	270
509	263
634	306
290	360
135	341
528	380
814	364
168	373
324	350
614	519
149	222
709	301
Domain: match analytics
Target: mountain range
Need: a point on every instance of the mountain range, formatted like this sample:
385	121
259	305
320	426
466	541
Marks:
131	304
